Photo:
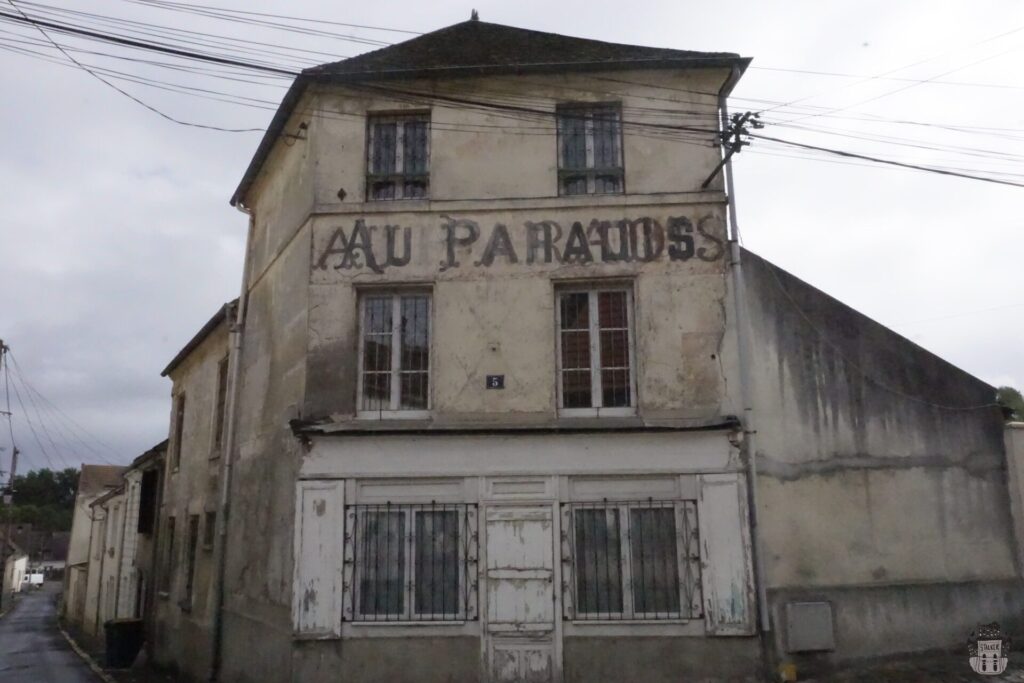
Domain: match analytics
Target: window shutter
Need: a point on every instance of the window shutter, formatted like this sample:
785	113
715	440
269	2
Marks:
568	607
727	578
689	559
318	584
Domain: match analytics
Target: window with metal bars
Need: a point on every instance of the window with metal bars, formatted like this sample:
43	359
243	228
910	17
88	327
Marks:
595	374
589	149
398	157
394	355
410	562
631	560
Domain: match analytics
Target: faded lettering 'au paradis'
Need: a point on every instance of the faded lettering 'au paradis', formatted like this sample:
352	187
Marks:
600	241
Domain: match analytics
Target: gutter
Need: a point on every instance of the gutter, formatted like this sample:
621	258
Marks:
223	507
743	354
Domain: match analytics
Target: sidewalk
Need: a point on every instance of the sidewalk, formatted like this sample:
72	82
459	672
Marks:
930	667
140	673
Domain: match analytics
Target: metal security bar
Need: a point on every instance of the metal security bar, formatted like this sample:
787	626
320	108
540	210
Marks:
631	560
410	562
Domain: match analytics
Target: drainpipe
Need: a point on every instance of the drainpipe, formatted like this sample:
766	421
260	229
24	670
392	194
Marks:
235	372
743	353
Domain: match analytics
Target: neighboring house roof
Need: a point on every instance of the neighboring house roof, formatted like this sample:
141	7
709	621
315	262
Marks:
475	48
204	332
112	493
98	478
154	453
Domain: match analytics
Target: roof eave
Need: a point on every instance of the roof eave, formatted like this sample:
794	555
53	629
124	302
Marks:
200	336
318	74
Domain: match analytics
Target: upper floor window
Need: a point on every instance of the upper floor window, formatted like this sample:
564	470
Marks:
589	149
394	355
398	157
179	431
595	332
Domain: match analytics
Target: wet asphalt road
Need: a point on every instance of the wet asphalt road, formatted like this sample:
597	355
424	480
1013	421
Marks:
32	650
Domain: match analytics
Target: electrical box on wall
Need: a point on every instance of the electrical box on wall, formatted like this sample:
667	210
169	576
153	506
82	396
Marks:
809	627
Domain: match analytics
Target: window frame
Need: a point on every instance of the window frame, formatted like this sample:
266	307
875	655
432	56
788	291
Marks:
179	430
191	561
466	560
220	411
394	411
590	172
689	586
596	390
399	176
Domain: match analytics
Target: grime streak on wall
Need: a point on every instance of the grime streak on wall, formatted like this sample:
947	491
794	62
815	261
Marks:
466	244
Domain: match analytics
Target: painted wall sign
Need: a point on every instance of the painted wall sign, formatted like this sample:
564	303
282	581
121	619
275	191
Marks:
644	239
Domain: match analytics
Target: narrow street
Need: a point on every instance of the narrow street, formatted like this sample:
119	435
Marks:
32	650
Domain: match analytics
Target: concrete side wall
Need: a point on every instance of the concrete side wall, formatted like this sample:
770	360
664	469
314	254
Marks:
272	382
1015	465
880	465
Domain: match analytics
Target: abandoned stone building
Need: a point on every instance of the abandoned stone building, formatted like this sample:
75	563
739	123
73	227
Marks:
502	399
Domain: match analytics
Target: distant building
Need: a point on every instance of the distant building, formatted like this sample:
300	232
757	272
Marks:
15	569
93	481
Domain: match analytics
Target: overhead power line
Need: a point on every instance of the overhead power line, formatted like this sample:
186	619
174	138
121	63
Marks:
890	162
101	79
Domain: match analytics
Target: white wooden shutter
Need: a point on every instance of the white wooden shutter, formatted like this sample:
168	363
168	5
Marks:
319	542
727	576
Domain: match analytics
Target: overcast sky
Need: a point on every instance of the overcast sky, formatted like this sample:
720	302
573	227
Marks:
118	243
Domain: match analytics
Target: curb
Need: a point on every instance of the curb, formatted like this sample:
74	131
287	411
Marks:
104	676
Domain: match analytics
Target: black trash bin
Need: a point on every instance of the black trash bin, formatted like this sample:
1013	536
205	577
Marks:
124	640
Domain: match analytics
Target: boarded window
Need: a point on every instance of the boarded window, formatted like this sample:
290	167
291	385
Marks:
209	530
412	562
220	412
589	149
595	349
167	575
395	353
193	542
148	497
633	560
398	158
179	431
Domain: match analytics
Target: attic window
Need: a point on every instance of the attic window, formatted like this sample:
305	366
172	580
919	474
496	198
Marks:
589	149
398	157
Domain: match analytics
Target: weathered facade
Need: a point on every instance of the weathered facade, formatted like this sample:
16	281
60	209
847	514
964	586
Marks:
505	401
182	626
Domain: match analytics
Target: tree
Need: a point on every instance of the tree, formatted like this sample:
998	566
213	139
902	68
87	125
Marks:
1012	402
44	498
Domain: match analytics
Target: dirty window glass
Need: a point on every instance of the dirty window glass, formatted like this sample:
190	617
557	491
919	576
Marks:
595	365
589	149
437	562
395	353
382	567
398	157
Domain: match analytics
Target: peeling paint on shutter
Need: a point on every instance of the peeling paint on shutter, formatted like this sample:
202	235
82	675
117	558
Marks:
727	574
317	596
